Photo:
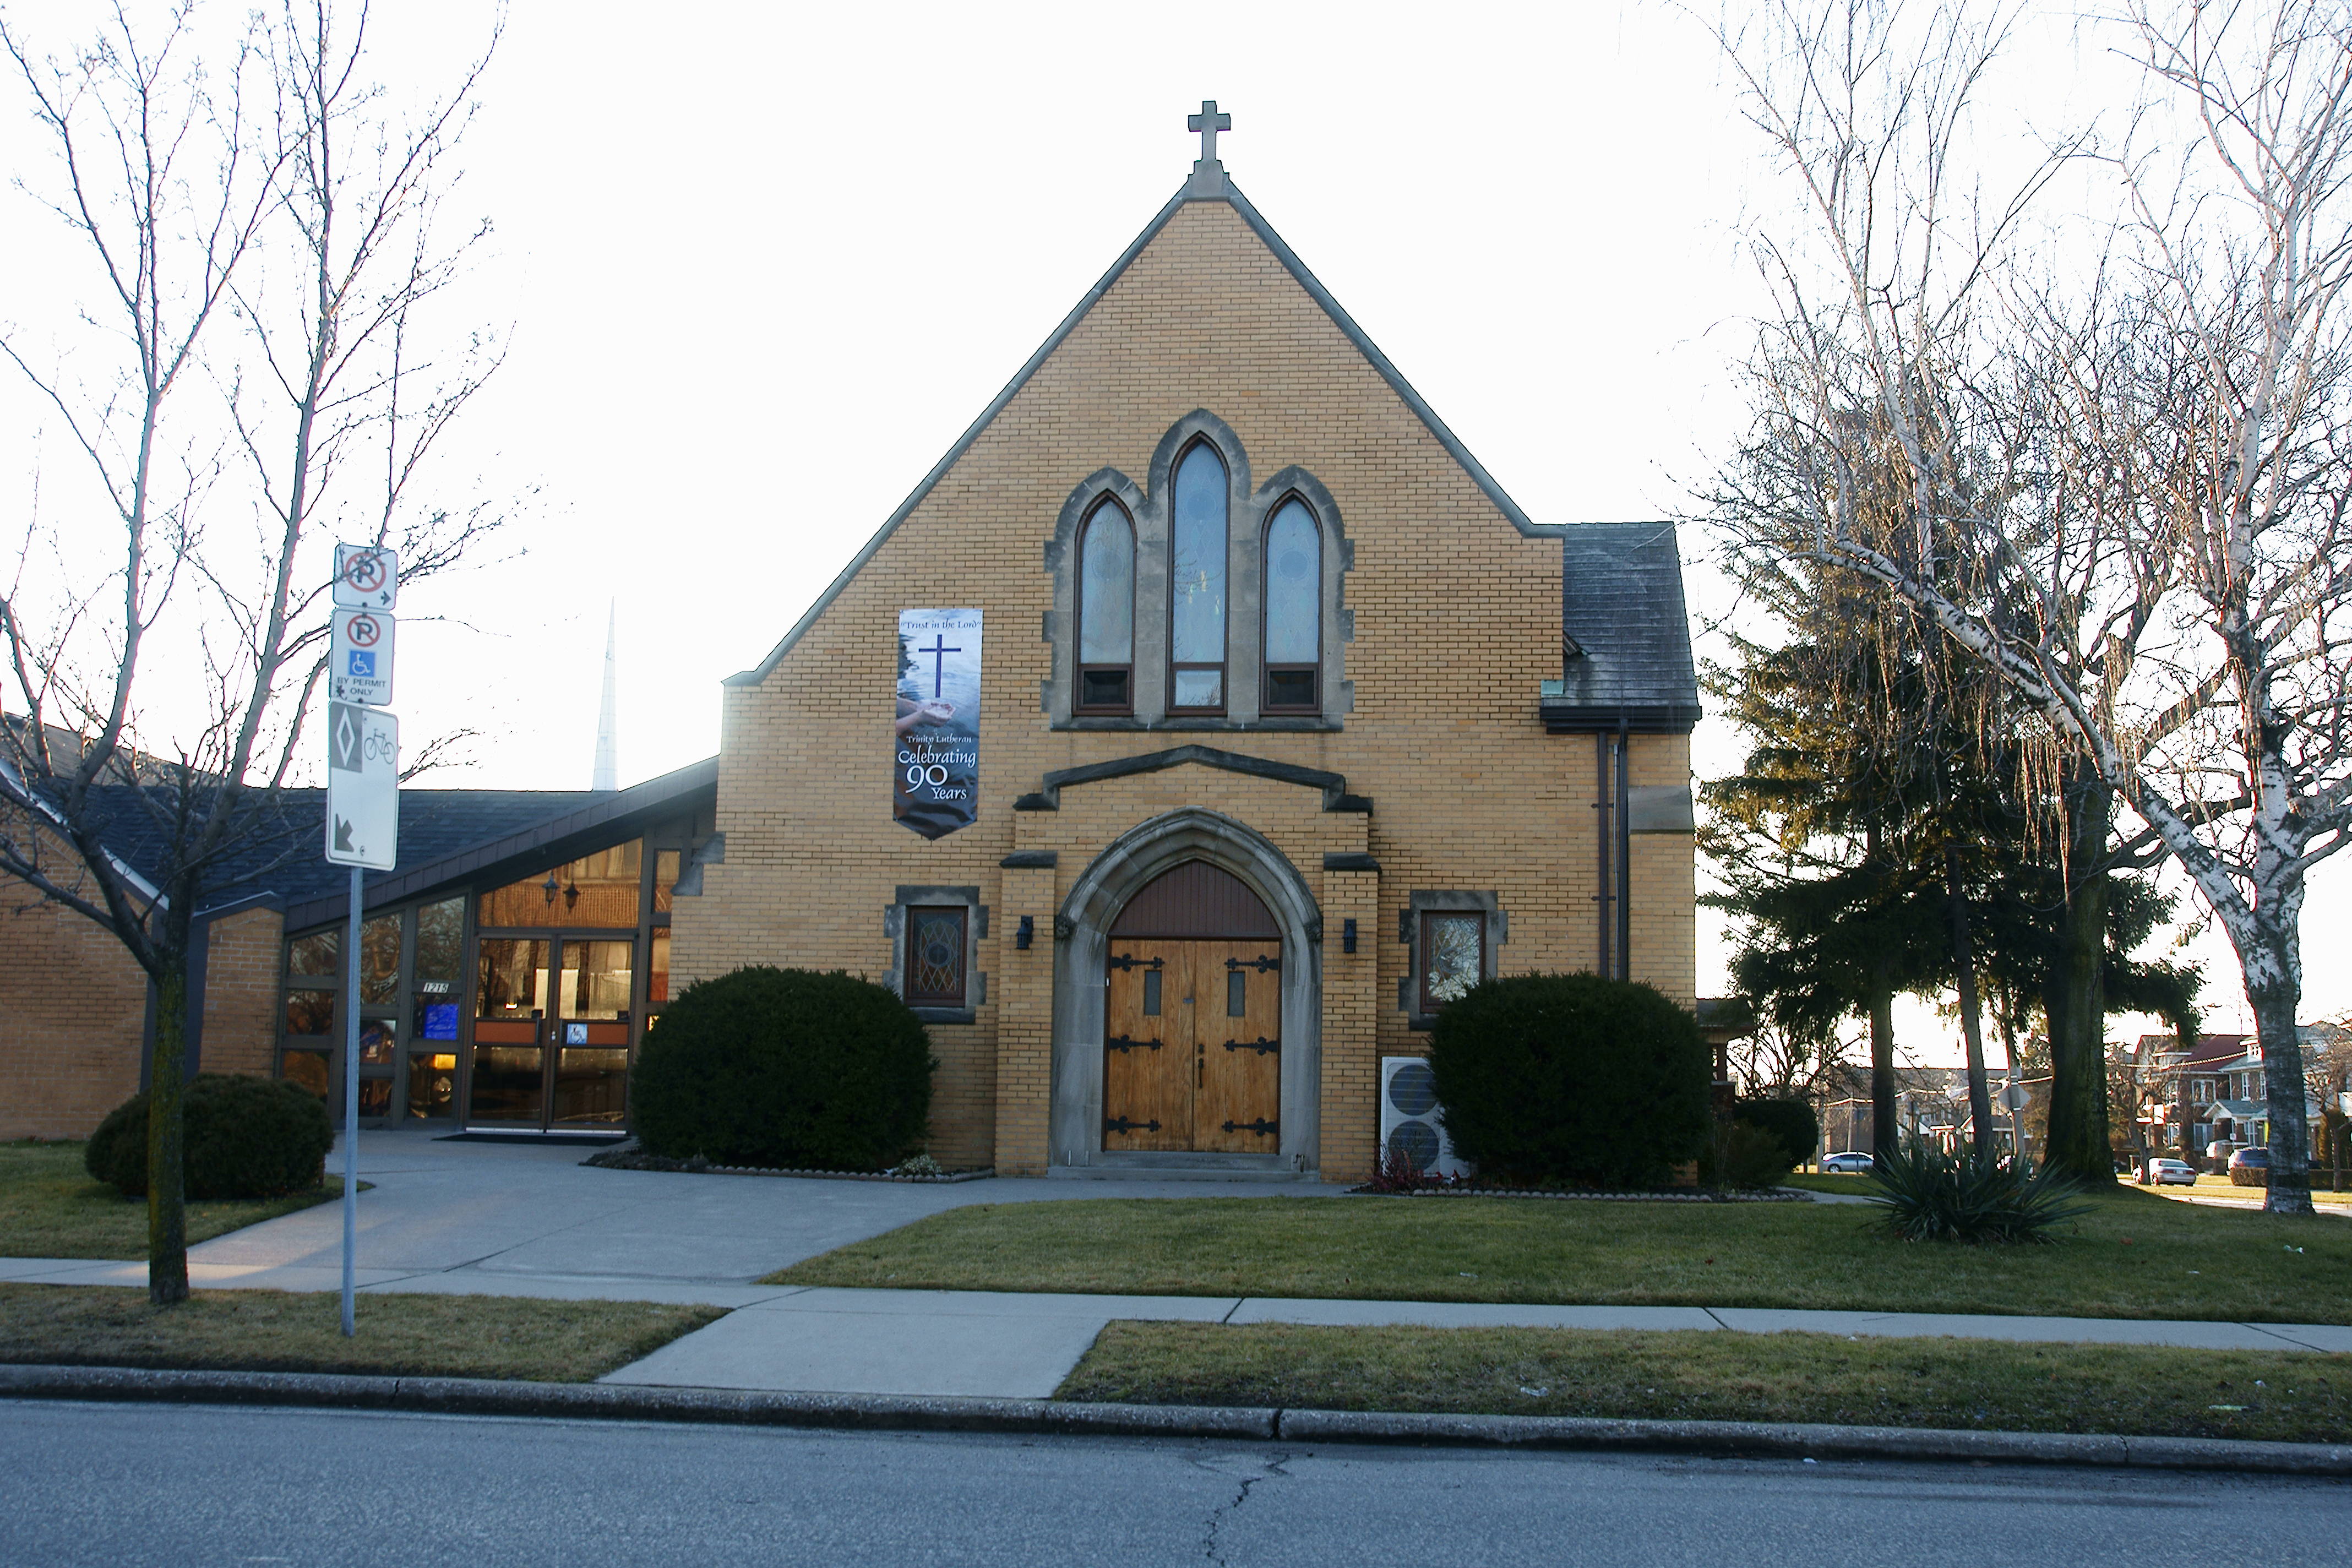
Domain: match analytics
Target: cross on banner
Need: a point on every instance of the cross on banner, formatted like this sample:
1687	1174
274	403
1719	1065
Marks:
939	650
1208	122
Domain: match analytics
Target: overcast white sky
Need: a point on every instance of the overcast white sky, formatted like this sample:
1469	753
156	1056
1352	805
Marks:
765	263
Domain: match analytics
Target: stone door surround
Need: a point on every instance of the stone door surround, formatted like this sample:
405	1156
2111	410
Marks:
1081	956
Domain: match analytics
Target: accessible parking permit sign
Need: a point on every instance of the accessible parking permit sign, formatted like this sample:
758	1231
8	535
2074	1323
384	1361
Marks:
359	658
363	786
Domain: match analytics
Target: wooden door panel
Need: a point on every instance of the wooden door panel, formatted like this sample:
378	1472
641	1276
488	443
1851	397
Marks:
1237	1027
1146	1063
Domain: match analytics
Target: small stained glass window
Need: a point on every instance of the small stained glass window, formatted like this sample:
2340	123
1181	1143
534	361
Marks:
307	1068
935	975
440	942
313	956
310	1011
1453	956
380	960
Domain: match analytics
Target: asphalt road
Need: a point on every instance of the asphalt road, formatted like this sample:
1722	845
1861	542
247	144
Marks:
128	1485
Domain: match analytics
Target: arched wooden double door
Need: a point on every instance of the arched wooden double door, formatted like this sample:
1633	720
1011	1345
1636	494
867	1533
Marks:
1192	1018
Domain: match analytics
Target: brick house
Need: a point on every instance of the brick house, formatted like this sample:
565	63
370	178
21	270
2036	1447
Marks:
1206	717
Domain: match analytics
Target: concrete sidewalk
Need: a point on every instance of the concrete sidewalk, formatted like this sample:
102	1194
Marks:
1017	1346
1013	1346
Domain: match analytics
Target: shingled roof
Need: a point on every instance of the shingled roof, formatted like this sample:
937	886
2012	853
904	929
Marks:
1628	647
445	835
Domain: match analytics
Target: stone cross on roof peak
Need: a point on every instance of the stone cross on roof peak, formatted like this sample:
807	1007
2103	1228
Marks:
1208	181
1208	122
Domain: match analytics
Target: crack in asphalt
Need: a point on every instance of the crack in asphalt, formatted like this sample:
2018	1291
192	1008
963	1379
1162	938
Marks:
1217	1516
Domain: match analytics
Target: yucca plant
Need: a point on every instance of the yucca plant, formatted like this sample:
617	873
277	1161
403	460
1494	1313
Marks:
1925	1193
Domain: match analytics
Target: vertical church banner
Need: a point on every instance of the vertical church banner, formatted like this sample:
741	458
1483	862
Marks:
937	777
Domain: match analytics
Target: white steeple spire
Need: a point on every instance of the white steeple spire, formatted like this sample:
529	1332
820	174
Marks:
608	722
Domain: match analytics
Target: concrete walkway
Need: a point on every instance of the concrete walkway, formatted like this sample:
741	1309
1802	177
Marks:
529	1219
1015	1346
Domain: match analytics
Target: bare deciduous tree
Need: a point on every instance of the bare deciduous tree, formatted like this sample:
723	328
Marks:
259	229
2165	584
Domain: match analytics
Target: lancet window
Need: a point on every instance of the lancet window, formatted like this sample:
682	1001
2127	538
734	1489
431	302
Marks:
1294	609
1105	612
1196	617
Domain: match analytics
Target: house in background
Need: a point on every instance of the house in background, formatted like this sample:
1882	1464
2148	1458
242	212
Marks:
2213	1100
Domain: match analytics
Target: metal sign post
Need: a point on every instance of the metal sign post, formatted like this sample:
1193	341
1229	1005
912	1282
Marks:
362	825
351	1108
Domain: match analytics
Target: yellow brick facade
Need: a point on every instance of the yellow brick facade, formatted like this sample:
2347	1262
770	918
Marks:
73	1009
1456	622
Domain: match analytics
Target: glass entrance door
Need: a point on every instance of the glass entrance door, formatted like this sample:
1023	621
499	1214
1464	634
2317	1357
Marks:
552	1023
590	1090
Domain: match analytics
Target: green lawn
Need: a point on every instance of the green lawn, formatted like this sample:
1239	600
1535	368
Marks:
50	1208
2208	1186
271	1331
2282	1396
2135	1256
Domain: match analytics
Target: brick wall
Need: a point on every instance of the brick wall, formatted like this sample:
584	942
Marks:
241	992
73	1012
1457	621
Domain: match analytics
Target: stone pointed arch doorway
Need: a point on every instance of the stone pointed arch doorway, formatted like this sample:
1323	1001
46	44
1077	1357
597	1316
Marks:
1192	888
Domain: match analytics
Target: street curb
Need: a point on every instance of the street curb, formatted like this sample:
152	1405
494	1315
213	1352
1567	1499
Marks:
759	1407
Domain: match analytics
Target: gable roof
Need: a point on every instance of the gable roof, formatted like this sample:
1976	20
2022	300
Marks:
2211	1053
1209	185
1629	654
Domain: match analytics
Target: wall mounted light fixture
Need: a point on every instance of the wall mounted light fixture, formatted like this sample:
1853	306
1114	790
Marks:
1346	936
1027	933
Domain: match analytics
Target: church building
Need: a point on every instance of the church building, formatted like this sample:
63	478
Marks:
1203	721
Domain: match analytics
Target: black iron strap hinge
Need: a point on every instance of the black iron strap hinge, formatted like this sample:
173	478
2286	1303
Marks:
1262	1046
1262	962
1121	1042
1121	1124
1128	960
1261	1127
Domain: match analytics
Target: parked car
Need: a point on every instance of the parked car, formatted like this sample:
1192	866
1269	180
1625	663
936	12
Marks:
2250	1168
2168	1172
1850	1163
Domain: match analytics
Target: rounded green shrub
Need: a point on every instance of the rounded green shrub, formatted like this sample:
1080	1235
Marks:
1745	1157
1572	1080
1791	1122
241	1138
785	1068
